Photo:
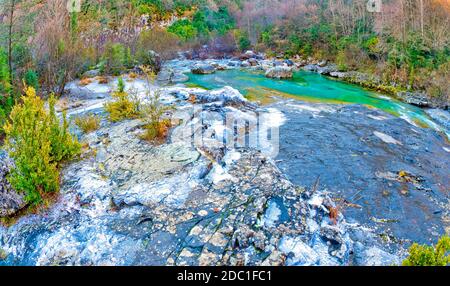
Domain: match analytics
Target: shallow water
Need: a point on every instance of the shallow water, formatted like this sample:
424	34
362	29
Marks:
311	87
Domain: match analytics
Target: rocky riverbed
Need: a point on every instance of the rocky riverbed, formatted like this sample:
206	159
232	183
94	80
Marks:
223	201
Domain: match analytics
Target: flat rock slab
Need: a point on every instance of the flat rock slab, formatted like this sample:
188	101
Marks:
350	146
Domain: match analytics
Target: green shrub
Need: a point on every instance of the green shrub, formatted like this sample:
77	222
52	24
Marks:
220	21
341	61
183	29
63	146
129	60
244	43
6	100
114	58
120	85
267	38
123	106
21	54
424	255
152	113
351	58
199	22
31	79
296	45
159	40
37	142
372	46
88	123
204	23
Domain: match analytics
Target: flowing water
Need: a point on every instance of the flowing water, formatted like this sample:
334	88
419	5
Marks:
357	142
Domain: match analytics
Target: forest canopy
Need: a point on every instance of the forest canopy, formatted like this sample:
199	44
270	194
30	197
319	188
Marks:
44	45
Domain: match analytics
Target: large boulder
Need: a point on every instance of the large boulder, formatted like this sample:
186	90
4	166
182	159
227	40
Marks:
253	62
311	67
279	72
168	76
338	74
415	98
322	63
10	201
289	63
227	95
92	73
245	64
277	63
203	69
247	55
328	69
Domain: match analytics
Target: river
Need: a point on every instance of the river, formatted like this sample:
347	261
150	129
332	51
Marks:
386	161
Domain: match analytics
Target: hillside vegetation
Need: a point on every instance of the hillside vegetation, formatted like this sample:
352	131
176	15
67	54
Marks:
45	45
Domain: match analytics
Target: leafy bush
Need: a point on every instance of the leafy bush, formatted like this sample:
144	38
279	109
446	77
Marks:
204	23
351	58
124	106
88	123
31	79
120	85
372	46
37	142
159	40
6	100
341	61
437	84
128	59
183	29
220	21
114	58
150	58
199	22
152	112
267	38
424	255
21	55
244	43
151	7
63	146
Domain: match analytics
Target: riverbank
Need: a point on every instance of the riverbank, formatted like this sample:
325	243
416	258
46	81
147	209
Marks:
329	69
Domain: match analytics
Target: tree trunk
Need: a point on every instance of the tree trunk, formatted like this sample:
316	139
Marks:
10	29
421	16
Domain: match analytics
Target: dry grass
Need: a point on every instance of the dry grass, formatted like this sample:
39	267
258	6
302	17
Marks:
102	79
85	81
334	214
124	106
192	99
88	123
133	75
156	132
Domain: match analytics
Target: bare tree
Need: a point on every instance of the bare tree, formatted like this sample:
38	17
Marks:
57	51
11	7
